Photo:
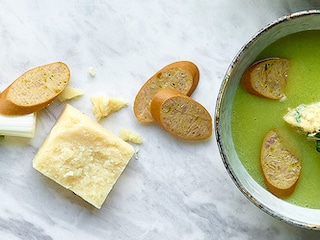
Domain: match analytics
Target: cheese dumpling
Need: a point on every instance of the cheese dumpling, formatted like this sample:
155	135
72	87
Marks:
305	117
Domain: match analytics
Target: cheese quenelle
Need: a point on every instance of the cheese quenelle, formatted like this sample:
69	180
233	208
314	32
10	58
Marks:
83	156
305	117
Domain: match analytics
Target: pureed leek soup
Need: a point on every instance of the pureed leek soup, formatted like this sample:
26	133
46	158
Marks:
253	116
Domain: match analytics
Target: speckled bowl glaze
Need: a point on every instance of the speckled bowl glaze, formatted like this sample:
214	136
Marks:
282	210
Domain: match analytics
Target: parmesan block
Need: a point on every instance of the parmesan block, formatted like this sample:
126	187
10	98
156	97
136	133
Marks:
305	117
103	106
83	156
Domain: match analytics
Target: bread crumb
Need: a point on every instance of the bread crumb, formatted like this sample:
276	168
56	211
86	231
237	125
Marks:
131	136
283	99
104	106
69	93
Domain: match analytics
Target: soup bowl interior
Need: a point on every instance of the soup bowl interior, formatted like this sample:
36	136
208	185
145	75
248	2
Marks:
278	208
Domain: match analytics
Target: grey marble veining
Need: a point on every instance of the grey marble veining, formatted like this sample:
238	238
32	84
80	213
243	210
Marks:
173	189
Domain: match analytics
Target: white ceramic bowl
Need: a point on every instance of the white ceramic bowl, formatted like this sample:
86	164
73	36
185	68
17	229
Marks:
280	209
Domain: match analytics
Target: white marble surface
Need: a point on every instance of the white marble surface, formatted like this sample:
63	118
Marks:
175	189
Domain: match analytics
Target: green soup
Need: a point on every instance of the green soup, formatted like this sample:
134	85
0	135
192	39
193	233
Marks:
253	116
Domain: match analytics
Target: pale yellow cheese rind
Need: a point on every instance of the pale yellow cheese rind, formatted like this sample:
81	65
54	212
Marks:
83	156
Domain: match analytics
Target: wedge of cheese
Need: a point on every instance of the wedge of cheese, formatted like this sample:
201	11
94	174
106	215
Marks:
70	93
305	117
83	156
103	106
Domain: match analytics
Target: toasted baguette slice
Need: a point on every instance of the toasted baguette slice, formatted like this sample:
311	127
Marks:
280	166
34	89
267	78
181	115
182	76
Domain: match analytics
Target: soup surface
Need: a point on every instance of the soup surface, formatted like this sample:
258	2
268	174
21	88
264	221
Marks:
253	116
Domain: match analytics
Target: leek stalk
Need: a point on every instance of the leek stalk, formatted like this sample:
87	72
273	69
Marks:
19	126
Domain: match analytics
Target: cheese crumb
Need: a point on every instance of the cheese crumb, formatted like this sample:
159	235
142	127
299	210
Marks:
92	72
131	136
69	93
104	106
83	156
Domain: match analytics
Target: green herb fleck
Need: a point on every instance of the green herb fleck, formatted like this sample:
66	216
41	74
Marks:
317	135
298	116
318	145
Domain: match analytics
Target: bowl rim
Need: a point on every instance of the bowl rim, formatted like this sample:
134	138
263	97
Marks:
223	156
